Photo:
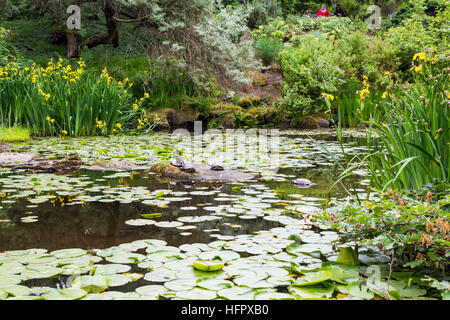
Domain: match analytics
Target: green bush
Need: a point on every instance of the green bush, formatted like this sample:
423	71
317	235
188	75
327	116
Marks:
309	70
421	31
268	50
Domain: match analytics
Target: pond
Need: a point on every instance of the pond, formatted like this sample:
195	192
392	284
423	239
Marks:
134	235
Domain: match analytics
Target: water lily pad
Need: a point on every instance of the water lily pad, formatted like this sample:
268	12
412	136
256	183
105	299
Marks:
40	272
160	275
168	224
196	294
237	293
15	290
140	222
311	292
151	290
312	278
223	255
65	294
215	284
207	266
263	295
180	284
91	284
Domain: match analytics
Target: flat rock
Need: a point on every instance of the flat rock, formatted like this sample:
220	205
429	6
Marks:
28	160
203	173
115	166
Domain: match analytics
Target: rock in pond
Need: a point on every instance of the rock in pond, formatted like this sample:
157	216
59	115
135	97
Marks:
32	161
202	172
303	183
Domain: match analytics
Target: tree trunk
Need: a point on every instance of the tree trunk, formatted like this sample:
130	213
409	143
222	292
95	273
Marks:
113	32
72	44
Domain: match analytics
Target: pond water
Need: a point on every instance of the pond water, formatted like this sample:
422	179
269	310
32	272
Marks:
132	234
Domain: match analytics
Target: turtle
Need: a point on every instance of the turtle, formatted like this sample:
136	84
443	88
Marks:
188	168
216	167
303	183
176	161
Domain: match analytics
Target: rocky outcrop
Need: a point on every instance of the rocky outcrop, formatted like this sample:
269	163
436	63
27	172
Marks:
183	117
312	122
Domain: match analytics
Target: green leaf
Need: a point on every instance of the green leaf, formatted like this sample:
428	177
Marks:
91	284
349	256
313	278
312	292
208	266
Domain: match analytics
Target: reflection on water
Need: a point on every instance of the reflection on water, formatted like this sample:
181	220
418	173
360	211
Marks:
102	224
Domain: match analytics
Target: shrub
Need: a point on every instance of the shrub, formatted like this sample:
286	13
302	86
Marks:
309	70
268	50
421	31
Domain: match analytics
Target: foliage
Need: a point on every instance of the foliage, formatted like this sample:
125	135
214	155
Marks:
416	135
268	50
421	31
412	230
14	134
309	70
65	100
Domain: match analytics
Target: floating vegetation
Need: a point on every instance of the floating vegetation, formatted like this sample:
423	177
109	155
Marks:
150	239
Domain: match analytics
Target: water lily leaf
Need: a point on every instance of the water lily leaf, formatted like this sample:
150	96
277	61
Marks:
214	284
160	275
15	290
207	266
11	268
311	292
40	271
140	222
412	292
263	295
116	280
125	257
180	284
110	268
168	224
237	293
357	290
8	279
349	256
65	294
165	255
68	253
312	278
151	215
196	294
91	284
3	294
151	290
223	255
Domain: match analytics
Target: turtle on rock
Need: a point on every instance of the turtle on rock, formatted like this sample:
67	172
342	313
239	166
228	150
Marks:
216	167
176	161
303	183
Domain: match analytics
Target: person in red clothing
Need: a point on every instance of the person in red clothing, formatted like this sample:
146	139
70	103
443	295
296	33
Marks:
323	12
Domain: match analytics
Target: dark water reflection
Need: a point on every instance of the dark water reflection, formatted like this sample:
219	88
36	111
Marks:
102	225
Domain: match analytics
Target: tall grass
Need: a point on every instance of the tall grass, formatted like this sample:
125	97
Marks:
415	137
62	99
